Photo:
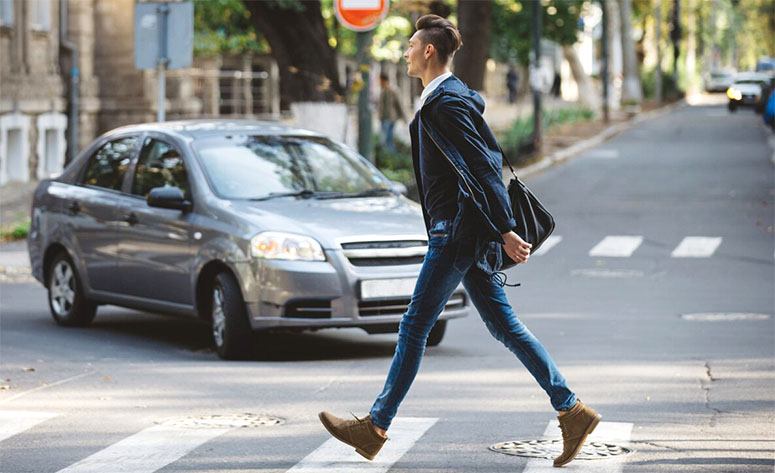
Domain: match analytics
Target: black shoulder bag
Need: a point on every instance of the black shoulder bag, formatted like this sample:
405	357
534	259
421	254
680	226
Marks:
534	222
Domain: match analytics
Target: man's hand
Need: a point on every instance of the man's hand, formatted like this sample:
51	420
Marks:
517	248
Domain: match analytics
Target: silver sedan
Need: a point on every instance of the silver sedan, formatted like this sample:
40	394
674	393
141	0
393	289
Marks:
248	225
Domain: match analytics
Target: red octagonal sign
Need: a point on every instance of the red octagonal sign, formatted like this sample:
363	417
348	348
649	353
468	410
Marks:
360	15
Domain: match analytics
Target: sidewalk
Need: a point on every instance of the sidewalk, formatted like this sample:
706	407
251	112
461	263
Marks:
15	262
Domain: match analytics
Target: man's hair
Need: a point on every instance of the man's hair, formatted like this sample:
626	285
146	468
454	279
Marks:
441	33
383	76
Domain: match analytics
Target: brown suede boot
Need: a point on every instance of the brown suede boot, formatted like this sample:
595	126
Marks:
359	433
576	424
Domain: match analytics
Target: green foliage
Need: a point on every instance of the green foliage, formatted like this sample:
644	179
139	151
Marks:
17	232
397	166
224	26
517	137
511	30
670	90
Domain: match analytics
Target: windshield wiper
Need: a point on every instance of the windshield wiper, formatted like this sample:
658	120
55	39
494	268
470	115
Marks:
367	193
305	193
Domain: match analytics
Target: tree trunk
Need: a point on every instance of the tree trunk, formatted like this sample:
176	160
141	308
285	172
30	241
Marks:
631	91
299	43
474	25
587	95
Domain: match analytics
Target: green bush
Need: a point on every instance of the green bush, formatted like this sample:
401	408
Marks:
670	89
517	140
18	232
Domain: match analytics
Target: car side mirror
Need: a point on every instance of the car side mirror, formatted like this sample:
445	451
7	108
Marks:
398	187
168	197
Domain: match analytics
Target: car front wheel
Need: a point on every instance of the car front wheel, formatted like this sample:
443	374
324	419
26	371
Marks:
232	334
66	300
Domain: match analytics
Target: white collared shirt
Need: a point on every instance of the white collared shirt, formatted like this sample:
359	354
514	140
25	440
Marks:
432	86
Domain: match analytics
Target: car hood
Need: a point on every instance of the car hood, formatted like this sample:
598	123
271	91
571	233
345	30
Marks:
328	220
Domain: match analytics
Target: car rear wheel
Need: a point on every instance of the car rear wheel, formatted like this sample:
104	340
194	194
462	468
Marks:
437	333
232	334
66	300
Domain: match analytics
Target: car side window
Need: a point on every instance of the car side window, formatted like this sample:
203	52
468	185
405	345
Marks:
108	165
160	165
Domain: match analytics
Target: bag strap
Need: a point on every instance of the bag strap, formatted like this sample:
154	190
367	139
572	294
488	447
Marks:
507	160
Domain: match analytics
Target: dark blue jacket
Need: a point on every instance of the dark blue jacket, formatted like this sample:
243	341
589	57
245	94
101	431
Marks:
450	124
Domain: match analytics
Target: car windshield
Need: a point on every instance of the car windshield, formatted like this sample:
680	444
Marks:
262	167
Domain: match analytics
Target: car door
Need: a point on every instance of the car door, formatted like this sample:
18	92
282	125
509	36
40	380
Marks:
91	208
154	253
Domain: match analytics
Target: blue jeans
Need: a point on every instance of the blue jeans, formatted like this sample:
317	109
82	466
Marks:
387	134
446	264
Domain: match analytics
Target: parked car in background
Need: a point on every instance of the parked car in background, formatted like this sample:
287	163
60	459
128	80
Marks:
248	225
746	91
718	80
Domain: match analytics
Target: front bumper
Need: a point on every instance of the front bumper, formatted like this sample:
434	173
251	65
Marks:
325	294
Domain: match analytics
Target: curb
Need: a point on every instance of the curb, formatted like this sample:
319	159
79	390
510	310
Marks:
565	154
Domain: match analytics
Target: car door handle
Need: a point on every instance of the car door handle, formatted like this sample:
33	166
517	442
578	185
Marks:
131	219
74	207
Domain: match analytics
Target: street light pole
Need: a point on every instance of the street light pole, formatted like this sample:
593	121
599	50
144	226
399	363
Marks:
604	71
363	57
534	75
161	65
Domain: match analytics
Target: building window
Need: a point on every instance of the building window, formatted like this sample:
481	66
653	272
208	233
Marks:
6	12
40	14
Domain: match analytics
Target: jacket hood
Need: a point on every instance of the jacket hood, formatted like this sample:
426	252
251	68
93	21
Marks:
453	85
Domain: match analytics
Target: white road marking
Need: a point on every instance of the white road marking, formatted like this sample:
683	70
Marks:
146	451
609	432
548	245
335	456
14	422
617	246
45	386
696	247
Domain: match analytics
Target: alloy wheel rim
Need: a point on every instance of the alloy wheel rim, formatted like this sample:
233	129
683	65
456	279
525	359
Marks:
219	318
62	288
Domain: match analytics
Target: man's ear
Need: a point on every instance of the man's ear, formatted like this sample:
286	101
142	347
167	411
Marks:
429	50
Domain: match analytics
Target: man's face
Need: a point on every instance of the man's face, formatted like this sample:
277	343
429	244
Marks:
417	55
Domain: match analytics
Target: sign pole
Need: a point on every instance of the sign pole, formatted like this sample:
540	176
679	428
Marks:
161	65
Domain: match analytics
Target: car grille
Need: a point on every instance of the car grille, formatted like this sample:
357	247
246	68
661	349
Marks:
308	309
385	253
399	306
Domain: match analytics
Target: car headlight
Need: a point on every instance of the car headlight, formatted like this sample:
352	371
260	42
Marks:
286	246
734	94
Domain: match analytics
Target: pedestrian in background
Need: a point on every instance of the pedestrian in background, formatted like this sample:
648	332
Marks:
512	83
390	110
453	152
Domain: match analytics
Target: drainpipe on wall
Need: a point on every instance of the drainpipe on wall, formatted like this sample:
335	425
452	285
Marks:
73	96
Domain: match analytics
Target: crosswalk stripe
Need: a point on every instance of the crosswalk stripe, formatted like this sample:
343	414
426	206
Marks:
146	451
617	246
696	247
14	422
336	456
609	432
550	242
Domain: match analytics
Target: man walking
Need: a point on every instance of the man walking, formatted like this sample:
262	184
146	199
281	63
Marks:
468	216
389	110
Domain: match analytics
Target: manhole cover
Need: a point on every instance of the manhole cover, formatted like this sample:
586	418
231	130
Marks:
217	421
723	316
552	448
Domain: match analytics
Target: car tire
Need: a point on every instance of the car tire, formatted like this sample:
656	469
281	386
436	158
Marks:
437	333
732	108
67	302
232	334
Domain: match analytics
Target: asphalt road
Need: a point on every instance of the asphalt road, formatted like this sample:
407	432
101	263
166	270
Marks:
686	392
